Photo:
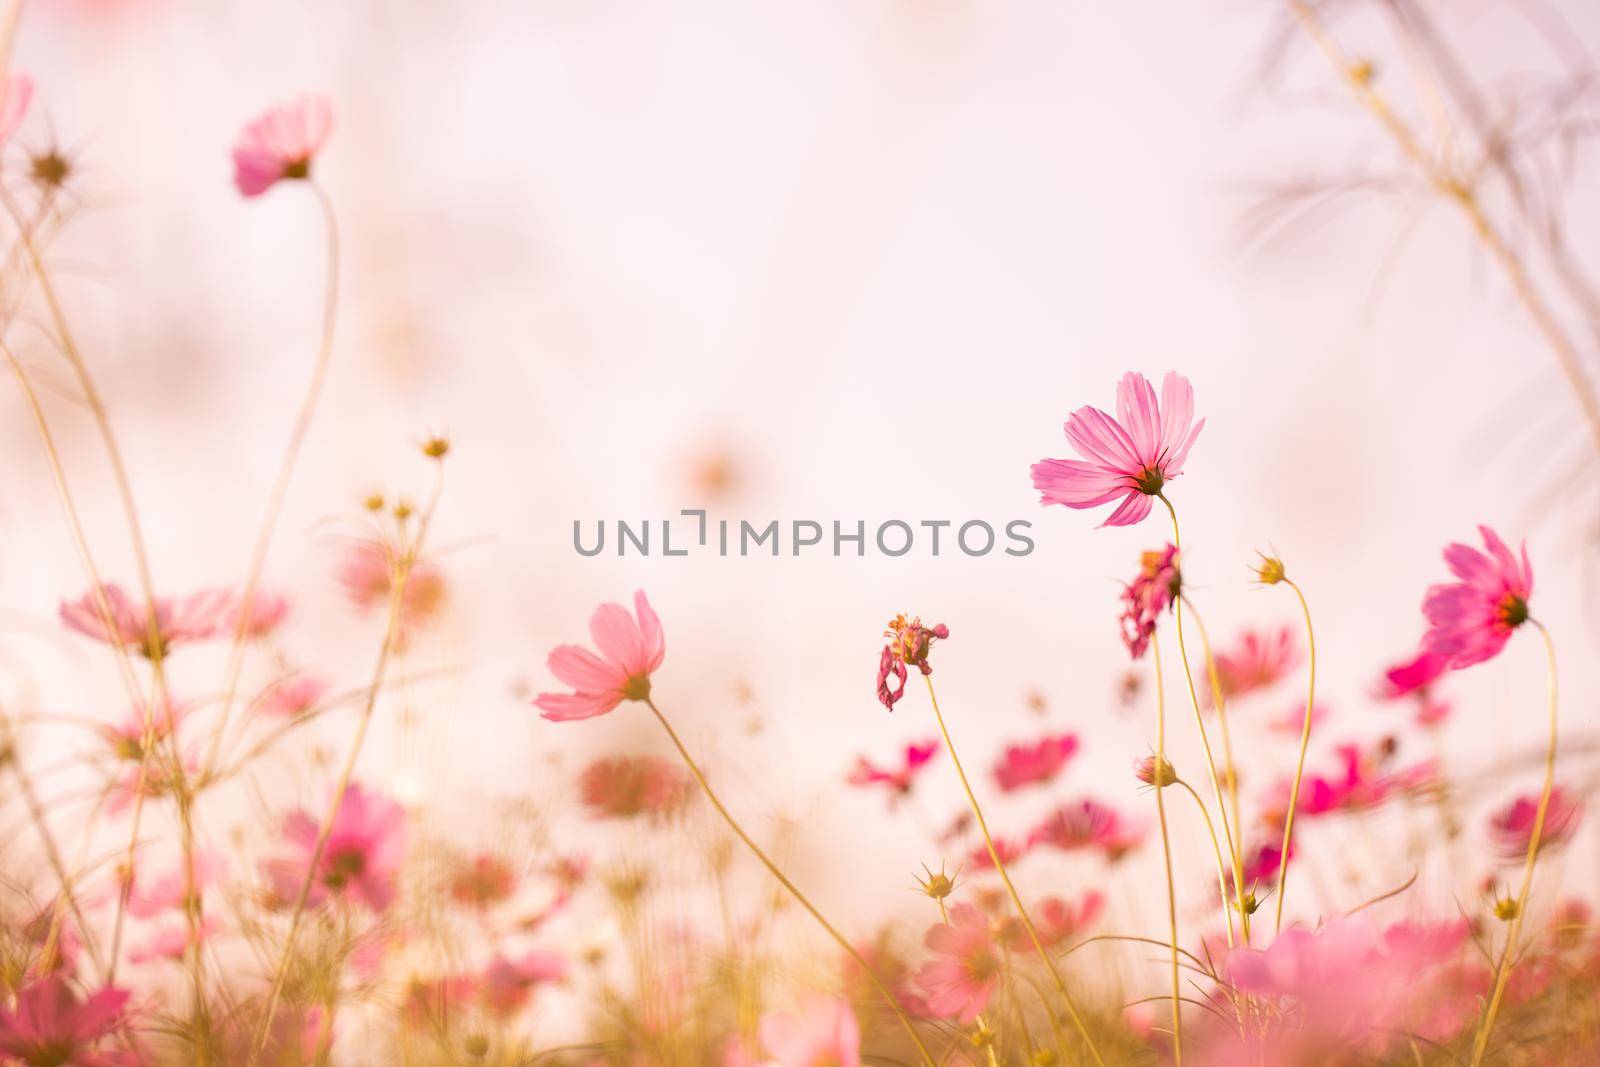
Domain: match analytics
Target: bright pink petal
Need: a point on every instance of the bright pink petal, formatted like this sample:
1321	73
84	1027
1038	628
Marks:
1077	485
1133	510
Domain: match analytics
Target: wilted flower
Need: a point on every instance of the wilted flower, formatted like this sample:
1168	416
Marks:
1131	456
897	781
631	649
1512	826
1036	763
909	645
823	1034
281	144
1151	592
1471	619
966	967
362	858
193	618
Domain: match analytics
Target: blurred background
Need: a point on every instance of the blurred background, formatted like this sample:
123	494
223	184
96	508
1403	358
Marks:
828	261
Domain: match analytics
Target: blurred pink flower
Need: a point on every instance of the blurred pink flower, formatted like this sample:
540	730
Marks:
170	891
281	144
509	982
50	1027
897	781
1131	456
1088	824
1261	864
172	940
623	787
127	737
1259	661
267	612
1056	920
1470	620
361	860
823	1034
1414	676
483	882
1036	763
1010	852
15	96
1328	975
367	573
630	651
909	644
1151	592
1512	826
193	618
159	781
1413	946
292	696
962	976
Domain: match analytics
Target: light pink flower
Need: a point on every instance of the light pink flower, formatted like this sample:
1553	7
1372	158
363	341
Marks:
193	618
1056	920
627	786
368	572
281	144
293	696
170	891
1131	456
1259	661
1512	826
962	976
1470	620
172	940
15	96
1036	763
509	982
824	1033
1325	974
1414	946
267	612
51	1027
898	781
127	737
1151	592
909	644
361	860
631	649
483	882
1088	824
1010	852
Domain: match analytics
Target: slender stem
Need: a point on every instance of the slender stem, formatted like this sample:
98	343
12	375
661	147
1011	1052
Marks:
1166	850
280	486
1216	848
794	890
1502	971
1300	764
1005	876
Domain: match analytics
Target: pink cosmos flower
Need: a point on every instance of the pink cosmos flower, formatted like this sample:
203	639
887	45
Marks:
267	612
281	144
172	940
909	644
170	891
1512	826
1325	974
509	982
51	1027
1261	864
159	781
1088	824
15	96
1260	660
962	976
1056	920
823	1034
362	858
1414	676
897	781
1151	592
630	651
1470	620
368	571
628	786
127	737
193	618
1414	946
1010	852
1131	456
1037	763
292	696
485	881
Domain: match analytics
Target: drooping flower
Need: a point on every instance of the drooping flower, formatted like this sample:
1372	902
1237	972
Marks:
630	651
1034	763
1088	824
1512	826
508	982
1132	456
1152	591
966	967
361	860
623	787
15	96
824	1033
51	1027
1259	661
281	144
909	644
1471	619
193	618
898	781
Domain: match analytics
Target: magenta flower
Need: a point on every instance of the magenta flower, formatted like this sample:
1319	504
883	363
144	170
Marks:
962	976
627	786
1037	763
1512	826
823	1034
898	781
630	651
51	1027
361	861
1131	456
1151	592
1470	620
281	144
15	96
1088	824
909	645
1414	677
193	618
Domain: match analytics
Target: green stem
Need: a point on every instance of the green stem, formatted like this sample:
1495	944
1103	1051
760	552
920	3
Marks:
1300	764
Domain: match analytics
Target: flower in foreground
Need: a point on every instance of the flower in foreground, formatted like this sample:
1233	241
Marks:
281	144
824	1033
1512	826
1470	620
1131	456
192	618
962	976
51	1027
1152	591
898	780
631	649
361	861
909	644
1037	763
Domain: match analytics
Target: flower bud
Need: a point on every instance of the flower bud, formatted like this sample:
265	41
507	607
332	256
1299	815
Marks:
1147	772
1270	570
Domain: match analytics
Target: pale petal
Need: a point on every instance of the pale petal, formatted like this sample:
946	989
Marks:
584	671
617	636
566	707
655	642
